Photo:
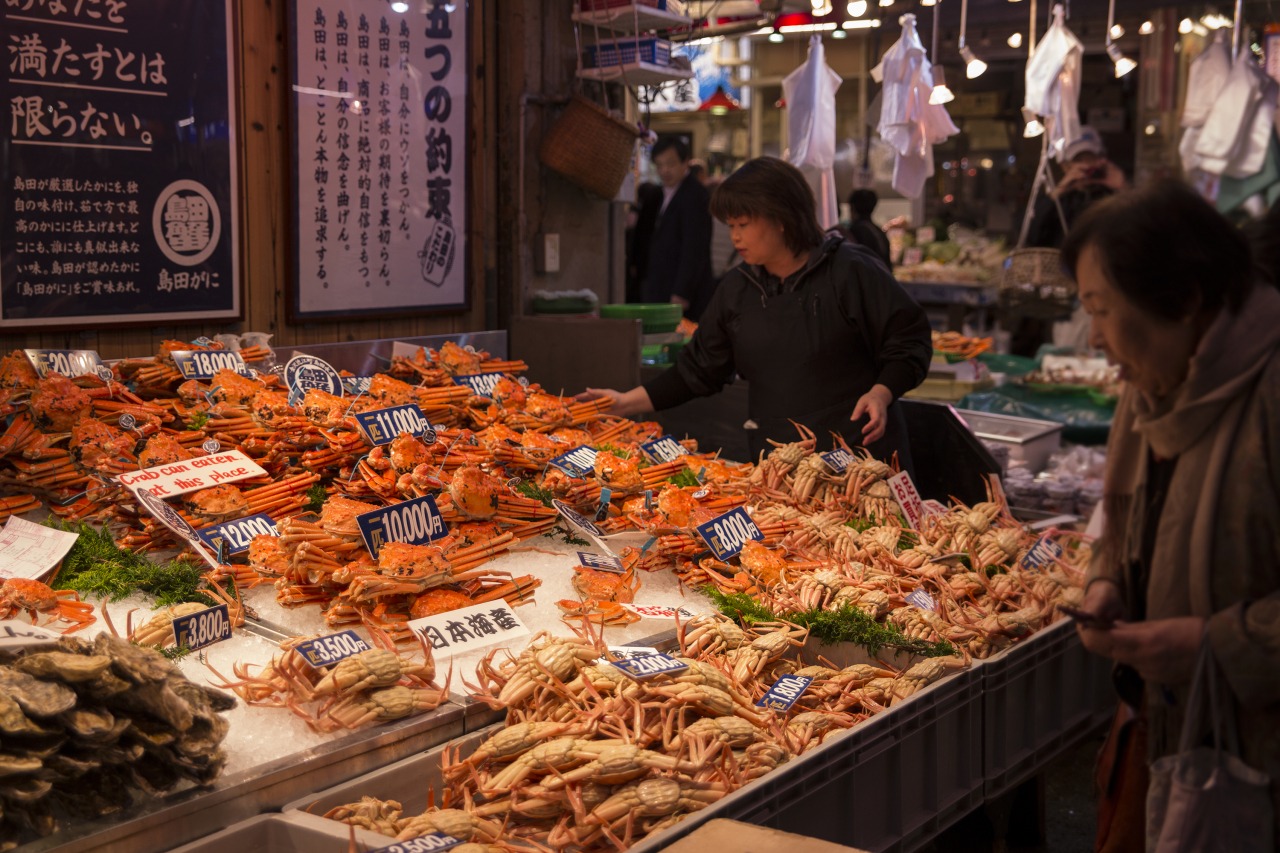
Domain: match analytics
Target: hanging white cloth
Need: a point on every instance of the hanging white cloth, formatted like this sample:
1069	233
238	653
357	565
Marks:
1053	83
1234	138
1205	78
810	91
908	122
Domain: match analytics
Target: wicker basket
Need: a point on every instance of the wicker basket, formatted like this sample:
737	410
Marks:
1033	284
590	146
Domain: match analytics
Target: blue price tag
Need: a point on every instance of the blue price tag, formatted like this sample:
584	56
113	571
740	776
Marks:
431	843
382	426
202	364
416	522
784	692
481	384
332	648
922	600
356	385
69	362
602	512
203	628
236	535
664	449
304	372
838	460
726	534
1044	553
600	562
650	665
579	462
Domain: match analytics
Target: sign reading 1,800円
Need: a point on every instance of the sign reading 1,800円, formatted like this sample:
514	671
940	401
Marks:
331	648
382	426
784	692
415	522
203	628
726	534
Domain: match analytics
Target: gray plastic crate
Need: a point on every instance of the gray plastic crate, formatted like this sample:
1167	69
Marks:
1039	697
281	834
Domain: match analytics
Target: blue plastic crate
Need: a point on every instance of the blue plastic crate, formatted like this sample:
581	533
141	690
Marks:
610	52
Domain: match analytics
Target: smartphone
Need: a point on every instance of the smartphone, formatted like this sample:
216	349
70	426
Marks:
1087	619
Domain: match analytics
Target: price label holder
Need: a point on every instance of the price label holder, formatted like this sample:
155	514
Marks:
202	629
726	534
579	462
837	460
235	536
331	648
922	600
1042	554
169	517
602	511
481	384
583	525
647	666
16	634
433	842
904	492
785	692
664	449
415	522
600	562
304	372
629	652
658	611
469	628
356	385
69	362
203	363
382	426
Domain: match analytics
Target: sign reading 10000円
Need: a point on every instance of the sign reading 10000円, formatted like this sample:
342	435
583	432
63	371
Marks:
380	122
117	163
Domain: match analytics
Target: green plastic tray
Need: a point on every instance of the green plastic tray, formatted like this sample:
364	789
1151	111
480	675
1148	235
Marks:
657	316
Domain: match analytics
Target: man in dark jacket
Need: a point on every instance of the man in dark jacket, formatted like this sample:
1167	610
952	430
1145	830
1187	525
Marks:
679	268
862	230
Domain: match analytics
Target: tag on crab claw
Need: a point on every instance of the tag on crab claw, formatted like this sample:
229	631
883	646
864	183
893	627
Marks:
127	421
211	445
602	512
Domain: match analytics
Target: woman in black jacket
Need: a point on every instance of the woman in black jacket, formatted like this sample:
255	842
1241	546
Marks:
821	330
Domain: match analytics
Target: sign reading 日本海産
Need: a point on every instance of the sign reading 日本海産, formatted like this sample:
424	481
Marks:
469	628
118	202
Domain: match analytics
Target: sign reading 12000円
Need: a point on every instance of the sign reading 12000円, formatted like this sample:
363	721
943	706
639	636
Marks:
118	178
380	153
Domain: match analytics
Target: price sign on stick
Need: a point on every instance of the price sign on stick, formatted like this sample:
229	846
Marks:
202	629
332	648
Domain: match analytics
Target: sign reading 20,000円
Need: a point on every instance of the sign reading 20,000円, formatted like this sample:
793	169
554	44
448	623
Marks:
380	123
117	163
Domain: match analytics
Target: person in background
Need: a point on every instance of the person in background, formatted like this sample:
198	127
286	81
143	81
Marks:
862	230
1190	551
820	329
679	268
641	220
1087	177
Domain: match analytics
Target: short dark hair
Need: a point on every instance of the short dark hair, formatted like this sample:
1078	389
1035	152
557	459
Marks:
774	189
1166	249
667	143
863	202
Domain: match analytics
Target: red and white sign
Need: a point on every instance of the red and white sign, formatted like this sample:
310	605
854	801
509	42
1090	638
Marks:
190	475
904	492
659	611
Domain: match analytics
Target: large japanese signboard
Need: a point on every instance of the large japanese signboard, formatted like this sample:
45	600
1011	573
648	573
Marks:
380	106
117	163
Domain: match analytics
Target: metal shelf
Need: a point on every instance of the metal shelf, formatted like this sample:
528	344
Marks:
632	19
637	73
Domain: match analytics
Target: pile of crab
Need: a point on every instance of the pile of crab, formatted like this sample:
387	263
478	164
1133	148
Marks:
592	759
90	727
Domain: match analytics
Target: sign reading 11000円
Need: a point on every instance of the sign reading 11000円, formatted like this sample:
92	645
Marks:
380	122
117	163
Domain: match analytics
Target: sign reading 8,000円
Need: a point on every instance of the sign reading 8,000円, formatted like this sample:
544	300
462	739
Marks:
118	193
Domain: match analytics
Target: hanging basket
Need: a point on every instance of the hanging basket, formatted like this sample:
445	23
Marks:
589	146
1033	284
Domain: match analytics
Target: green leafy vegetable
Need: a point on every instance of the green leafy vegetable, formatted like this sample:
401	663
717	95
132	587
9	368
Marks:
316	496
685	478
530	489
198	420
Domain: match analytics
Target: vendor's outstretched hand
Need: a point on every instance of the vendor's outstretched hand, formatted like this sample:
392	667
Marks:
625	403
875	405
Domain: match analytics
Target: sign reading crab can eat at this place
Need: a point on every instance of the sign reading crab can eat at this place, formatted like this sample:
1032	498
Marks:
29	550
433	842
69	362
190	475
331	648
466	629
726	534
650	665
16	633
204	628
415	522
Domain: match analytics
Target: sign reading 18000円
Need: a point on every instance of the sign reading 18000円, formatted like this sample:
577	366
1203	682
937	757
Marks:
118	178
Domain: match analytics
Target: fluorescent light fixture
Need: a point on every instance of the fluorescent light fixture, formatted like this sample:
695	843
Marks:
1117	31
973	66
1185	26
865	24
857	8
1147	28
1123	63
1014	41
940	94
806	28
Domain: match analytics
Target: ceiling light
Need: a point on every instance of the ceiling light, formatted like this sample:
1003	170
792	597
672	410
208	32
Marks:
816	4
399	6
1150	129
1147	28
864	24
1014	41
1117	31
886	2
973	66
775	37
1123	63
839	34
857	8
1215	22
1185	26
940	94
928	2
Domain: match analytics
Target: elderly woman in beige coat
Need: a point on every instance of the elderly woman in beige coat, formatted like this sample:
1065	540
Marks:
1192	539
